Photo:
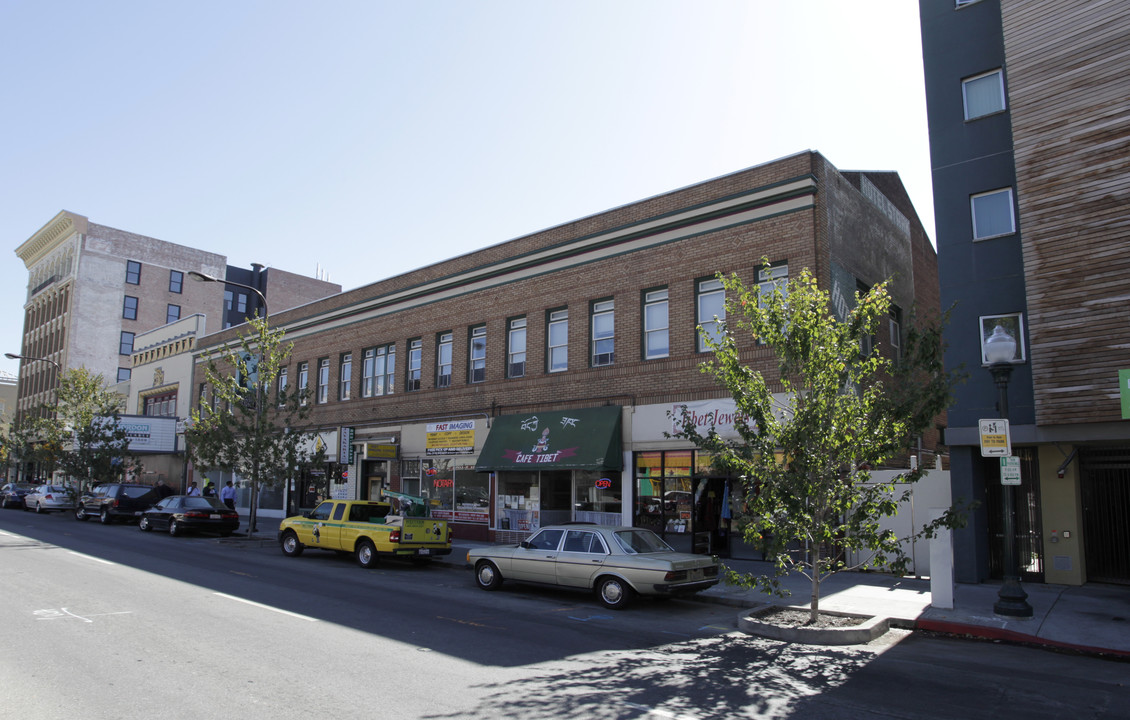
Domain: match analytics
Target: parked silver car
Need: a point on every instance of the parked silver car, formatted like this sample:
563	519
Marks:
46	498
617	562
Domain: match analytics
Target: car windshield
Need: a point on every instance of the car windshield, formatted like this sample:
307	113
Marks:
641	541
206	503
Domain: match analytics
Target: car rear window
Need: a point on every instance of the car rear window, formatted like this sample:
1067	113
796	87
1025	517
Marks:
207	503
136	492
640	541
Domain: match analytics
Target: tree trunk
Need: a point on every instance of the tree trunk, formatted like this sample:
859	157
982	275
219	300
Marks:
814	607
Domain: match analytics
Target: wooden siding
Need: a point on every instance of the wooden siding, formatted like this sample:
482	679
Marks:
1068	76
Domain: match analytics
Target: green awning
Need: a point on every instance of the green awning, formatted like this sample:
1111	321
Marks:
584	439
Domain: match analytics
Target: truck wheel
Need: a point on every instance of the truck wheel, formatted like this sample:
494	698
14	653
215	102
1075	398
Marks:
366	553
613	593
80	513
104	517
290	545
487	575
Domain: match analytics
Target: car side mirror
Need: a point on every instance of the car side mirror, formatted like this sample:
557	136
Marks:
524	544
306	515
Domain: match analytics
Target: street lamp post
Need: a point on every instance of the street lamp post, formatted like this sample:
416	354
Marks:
58	369
1012	601
253	502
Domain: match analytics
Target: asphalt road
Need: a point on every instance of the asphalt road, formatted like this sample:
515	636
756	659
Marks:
110	622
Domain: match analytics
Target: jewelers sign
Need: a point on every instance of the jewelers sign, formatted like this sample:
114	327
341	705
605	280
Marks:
456	437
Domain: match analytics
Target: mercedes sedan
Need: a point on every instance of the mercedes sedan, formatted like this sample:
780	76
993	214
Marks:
615	562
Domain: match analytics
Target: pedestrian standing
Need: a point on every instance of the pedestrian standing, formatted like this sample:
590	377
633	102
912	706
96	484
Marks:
209	489
193	491
227	494
163	490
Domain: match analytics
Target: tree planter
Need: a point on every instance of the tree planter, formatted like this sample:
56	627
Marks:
760	621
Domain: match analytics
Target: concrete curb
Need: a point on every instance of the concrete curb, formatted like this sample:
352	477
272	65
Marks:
865	632
984	632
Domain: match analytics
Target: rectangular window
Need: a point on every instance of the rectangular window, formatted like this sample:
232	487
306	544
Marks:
443	359
377	371
516	348
894	325
415	363
125	343
603	323
323	380
133	272
172	313
478	354
176	281
129	308
710	303
345	377
229	296
123	374
303	379
241	303
656	343
983	94
282	386
557	340
992	214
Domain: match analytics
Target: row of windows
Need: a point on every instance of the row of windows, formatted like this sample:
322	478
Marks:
992	212
378	364
133	276
130	306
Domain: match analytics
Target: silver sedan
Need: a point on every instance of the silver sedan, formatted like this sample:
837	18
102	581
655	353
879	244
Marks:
46	498
614	561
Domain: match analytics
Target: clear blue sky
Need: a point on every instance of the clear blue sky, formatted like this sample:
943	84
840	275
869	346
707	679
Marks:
371	138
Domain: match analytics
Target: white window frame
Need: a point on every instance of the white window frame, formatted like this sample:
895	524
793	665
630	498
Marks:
660	297
414	369
345	376
444	368
603	339
965	85
323	381
477	355
516	348
709	287
1011	213
557	320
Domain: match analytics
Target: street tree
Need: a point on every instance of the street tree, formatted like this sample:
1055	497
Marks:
243	427
84	436
809	437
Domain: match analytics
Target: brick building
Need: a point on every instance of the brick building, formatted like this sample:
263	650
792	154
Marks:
529	382
1030	149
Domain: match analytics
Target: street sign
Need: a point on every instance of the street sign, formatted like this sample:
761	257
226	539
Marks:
1010	470
995	438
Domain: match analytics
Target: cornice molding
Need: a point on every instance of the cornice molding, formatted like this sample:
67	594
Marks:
50	236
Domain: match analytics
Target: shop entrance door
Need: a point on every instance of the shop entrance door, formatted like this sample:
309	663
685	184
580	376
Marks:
1106	507
1027	517
556	497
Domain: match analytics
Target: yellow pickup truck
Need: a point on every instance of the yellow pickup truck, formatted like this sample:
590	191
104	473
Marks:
367	529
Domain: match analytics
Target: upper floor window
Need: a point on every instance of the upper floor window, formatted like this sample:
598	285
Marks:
229	296
282	385
125	343
241	303
478	354
983	94
710	302
894	325
176	281
516	350
992	214
415	364
323	380
378	370
133	272
345	377
161	405
124	374
557	340
656	343
603	333
172	313
303	379
129	308
443	359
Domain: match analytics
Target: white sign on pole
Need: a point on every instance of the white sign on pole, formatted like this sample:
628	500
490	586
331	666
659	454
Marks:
995	438
1010	470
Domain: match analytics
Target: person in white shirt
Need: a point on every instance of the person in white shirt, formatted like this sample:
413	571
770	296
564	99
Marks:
192	489
227	494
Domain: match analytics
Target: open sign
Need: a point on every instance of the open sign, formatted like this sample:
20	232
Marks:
604	483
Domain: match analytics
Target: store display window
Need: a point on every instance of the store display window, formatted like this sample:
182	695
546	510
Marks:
519	501
454	491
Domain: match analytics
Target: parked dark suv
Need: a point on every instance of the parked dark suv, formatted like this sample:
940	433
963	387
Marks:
116	501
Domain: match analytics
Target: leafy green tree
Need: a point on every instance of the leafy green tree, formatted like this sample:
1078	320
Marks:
809	437
244	427
84	437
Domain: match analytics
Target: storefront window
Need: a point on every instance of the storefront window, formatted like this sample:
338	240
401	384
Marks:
519	501
438	486
454	491
597	497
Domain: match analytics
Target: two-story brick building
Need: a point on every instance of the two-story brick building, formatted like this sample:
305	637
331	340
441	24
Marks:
530	382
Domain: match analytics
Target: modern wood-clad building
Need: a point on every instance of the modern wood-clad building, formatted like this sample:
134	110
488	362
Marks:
1030	149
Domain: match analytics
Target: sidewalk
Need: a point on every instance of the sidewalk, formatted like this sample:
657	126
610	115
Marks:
1089	618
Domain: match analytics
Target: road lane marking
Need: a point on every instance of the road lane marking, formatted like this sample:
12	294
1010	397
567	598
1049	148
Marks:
472	623
64	613
267	607
91	557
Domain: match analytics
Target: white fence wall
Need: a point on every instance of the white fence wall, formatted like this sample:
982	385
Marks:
927	495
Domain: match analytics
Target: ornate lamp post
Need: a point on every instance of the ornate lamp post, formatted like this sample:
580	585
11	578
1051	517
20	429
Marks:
253	503
1000	350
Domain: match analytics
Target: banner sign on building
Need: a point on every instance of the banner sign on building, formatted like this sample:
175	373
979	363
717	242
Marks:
380	451
1124	392
456	437
345	449
148	434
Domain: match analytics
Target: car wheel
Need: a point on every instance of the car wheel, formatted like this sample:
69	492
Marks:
366	553
290	545
80	513
174	527
104	516
613	593
39	508
487	575
143	525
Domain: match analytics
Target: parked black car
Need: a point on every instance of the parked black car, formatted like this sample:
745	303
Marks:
181	513
116	501
12	494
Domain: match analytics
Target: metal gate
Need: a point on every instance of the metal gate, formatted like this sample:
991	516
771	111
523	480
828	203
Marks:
1028	519
1106	513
